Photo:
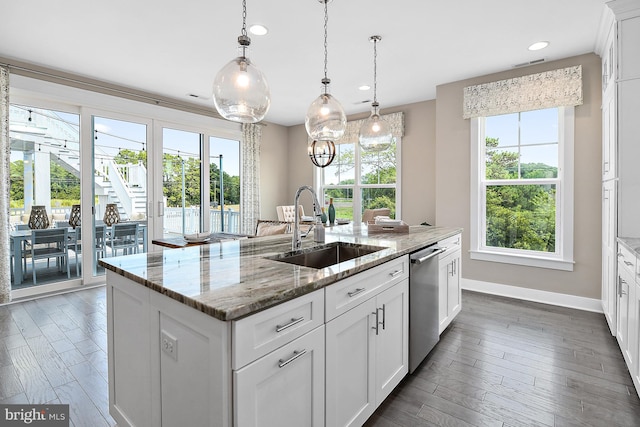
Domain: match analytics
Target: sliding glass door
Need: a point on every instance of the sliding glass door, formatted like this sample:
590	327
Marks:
119	183
44	185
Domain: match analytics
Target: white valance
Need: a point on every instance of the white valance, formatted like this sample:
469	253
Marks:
550	89
395	121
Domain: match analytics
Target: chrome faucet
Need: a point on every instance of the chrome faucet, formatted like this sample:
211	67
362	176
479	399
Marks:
297	236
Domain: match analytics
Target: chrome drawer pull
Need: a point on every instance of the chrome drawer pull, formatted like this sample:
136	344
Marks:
395	273
296	354
356	292
280	328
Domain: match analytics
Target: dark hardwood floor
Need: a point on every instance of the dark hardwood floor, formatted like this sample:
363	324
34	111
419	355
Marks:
505	362
502	362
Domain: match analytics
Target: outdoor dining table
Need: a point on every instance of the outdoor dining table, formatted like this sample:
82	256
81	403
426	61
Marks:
18	237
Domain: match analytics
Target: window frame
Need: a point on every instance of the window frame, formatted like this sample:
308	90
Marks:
357	187
562	259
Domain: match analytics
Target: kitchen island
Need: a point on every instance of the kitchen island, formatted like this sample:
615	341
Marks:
222	335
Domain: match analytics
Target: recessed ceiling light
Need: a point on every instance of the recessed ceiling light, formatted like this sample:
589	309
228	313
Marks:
364	87
538	45
258	30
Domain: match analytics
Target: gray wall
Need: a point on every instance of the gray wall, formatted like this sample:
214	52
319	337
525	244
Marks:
436	181
453	184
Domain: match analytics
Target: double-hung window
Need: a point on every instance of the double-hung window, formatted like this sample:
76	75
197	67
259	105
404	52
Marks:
357	180
522	188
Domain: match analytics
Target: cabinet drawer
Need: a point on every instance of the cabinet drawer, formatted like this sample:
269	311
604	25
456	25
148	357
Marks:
261	333
451	243
352	291
627	259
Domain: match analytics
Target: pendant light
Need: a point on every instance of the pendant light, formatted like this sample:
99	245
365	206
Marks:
325	120
240	90
375	134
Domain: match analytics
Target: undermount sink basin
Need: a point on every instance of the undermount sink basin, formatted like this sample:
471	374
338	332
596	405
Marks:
326	255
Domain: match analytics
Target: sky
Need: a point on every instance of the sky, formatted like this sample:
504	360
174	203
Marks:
536	129
113	135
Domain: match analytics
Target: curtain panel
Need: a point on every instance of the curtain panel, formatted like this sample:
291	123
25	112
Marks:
5	158
395	121
556	88
250	176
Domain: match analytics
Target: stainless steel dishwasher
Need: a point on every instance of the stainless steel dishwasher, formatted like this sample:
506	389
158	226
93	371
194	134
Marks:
423	303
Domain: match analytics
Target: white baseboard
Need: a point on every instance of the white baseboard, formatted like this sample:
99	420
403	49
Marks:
527	294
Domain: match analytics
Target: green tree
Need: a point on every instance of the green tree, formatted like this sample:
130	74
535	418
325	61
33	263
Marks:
518	216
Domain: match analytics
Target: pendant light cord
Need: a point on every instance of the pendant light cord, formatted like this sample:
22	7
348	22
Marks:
375	70
326	22
244	17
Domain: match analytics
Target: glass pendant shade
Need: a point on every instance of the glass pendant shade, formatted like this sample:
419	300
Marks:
375	134
325	120
241	92
322	153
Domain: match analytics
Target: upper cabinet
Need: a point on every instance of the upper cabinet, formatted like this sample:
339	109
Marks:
617	45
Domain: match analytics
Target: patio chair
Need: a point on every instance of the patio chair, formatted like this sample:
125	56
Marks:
123	236
50	243
98	247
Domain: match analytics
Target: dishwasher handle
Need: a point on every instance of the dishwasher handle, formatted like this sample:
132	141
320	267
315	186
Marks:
436	251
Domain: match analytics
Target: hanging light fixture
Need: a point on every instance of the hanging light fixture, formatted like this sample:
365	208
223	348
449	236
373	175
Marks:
322	153
325	120
240	90
375	134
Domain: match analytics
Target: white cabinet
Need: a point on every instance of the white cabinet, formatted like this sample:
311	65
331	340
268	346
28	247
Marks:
168	363
278	365
283	388
618	46
366	353
627	331
450	293
609	275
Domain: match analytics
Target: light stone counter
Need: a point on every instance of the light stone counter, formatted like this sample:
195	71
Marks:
631	243
233	279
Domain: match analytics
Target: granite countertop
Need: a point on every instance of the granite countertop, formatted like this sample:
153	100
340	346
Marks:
631	243
230	280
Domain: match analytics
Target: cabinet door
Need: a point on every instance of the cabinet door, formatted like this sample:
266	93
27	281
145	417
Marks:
623	310
392	357
350	393
454	293
635	372
285	387
609	275
449	289
130	374
609	137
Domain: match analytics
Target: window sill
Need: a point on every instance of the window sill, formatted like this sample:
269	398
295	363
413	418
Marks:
525	260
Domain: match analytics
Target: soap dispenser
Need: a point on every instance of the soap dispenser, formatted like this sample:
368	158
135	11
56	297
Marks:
318	232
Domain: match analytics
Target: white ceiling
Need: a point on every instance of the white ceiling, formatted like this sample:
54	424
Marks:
175	48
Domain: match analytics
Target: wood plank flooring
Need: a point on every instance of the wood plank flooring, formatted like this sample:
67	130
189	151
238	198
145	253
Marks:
508	363
502	362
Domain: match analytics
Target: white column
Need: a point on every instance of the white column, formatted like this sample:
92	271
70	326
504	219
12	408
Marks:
42	167
27	160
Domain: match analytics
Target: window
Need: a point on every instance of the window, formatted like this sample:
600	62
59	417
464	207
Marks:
359	180
522	176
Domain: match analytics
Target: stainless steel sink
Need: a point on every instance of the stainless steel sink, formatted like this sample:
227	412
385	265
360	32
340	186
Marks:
326	255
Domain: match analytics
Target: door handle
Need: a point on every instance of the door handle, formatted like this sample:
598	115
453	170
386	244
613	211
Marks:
296	354
377	323
294	321
160	208
436	251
